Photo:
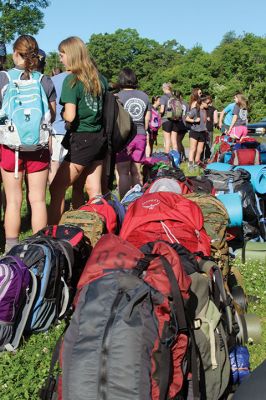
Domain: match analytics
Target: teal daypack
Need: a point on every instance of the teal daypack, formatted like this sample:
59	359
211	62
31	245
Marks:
25	115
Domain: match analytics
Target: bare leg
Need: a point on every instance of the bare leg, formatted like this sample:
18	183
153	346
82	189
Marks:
66	175
13	191
135	170
78	198
37	183
199	151
167	141
125	179
174	140
54	166
93	182
180	147
192	149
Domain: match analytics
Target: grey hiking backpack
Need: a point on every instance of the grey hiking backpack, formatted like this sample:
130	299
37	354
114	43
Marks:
127	339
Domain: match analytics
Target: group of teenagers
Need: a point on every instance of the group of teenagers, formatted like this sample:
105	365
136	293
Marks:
78	146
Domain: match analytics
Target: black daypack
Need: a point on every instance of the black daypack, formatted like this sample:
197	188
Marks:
119	129
118	124
51	262
239	181
73	236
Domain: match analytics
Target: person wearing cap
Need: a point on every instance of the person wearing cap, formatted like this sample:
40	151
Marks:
42	60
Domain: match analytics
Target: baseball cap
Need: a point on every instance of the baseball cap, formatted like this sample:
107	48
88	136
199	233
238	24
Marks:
2	49
41	56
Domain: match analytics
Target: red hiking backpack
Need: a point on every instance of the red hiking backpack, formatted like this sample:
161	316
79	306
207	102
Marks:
129	322
166	216
245	157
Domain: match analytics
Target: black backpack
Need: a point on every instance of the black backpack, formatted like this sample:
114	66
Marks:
239	181
51	261
118	124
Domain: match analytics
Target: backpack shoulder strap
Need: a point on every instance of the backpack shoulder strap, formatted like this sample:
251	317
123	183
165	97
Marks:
14	74
14	343
36	75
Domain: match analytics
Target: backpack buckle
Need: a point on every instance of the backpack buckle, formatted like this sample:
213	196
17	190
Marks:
197	323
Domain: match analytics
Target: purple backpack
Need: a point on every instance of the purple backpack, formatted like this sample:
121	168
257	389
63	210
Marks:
16	292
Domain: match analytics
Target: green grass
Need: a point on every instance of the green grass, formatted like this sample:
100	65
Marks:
23	372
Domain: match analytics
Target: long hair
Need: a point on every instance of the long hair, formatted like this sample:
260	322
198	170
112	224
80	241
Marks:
81	65
242	102
194	96
28	49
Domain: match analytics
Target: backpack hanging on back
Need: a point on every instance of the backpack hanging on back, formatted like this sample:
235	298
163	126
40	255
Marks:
215	223
118	124
17	292
155	120
26	113
174	109
130	320
51	262
166	216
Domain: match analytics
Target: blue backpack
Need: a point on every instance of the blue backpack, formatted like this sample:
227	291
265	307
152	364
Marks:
25	114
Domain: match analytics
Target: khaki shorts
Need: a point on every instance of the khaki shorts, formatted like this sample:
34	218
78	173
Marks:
58	151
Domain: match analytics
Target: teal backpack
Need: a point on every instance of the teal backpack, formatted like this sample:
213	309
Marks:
25	115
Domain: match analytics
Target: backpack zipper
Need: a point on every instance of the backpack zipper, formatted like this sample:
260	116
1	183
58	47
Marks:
102	387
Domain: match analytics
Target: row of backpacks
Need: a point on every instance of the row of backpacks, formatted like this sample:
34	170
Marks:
154	305
246	151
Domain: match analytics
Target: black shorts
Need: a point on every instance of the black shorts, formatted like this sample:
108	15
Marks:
174	126
85	147
199	136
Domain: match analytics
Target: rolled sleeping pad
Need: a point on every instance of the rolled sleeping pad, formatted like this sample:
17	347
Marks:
218	166
233	205
227	157
258	176
255	251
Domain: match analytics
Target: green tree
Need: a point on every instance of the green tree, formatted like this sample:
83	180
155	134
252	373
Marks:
125	48
19	17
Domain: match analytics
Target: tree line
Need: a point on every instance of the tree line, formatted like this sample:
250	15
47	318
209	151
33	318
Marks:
238	63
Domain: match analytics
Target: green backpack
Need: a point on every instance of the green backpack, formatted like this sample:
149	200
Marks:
209	312
210	338
215	223
92	223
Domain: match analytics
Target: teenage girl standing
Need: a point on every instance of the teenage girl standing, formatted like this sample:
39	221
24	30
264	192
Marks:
197	117
82	98
34	164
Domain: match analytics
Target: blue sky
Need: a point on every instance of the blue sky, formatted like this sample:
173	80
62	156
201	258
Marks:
188	21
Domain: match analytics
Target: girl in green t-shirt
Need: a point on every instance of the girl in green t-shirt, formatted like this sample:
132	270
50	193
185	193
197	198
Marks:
82	100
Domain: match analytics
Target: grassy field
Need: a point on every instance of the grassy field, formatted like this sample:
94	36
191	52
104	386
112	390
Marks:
22	373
